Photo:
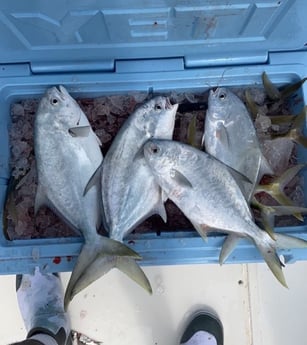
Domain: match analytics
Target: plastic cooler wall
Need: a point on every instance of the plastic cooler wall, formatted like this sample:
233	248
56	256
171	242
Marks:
170	46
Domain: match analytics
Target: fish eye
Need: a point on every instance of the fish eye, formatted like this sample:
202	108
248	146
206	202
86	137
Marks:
54	101
154	149
222	96
158	107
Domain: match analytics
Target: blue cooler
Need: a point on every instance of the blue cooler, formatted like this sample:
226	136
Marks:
100	47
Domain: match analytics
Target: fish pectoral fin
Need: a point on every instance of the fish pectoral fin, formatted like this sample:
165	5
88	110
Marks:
94	261
180	178
222	135
40	199
95	179
228	246
79	131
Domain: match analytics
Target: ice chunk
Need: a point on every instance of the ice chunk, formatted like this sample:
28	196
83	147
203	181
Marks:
262	124
278	153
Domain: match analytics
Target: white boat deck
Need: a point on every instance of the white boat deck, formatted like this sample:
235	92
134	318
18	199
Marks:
253	307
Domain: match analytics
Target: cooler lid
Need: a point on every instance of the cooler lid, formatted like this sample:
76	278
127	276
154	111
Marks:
98	32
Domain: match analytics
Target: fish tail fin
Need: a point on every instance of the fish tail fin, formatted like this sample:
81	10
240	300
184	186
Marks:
94	261
276	188
296	136
285	241
103	265
295	132
267	248
133	271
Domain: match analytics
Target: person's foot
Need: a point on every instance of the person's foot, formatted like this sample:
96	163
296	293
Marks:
203	329
40	298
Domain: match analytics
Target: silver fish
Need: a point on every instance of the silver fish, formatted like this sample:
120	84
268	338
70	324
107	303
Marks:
206	192
130	193
230	137
67	154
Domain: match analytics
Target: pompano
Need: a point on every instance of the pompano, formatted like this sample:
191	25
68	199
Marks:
230	137
67	153
206	192
130	193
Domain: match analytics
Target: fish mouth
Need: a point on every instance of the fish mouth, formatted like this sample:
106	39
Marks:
62	90
169	104
57	91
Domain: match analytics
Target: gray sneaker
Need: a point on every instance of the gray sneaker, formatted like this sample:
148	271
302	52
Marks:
40	298
204	329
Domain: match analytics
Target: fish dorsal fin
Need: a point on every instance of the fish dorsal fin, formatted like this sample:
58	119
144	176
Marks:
79	131
40	199
94	179
180	178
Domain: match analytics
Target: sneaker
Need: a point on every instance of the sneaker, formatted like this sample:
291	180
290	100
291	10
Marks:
204	329
41	303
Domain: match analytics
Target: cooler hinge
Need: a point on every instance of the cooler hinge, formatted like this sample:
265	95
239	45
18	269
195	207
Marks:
226	59
149	65
72	67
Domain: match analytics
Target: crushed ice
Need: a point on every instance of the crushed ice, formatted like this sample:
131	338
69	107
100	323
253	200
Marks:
106	115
